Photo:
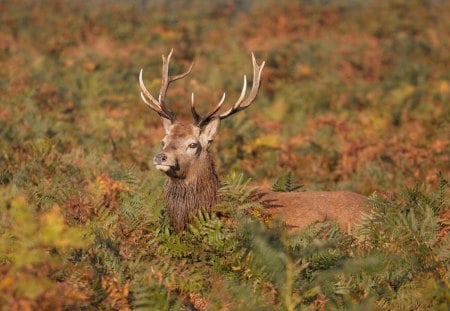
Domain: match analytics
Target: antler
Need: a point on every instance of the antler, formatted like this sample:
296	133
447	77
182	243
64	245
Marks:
159	105
240	104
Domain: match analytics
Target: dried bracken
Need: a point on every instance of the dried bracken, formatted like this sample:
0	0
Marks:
353	96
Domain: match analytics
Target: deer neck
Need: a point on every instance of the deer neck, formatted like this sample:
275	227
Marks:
184	197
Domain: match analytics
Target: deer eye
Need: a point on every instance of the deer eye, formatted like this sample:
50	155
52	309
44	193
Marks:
193	145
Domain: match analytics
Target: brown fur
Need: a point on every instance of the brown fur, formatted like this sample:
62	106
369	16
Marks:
186	196
181	130
300	209
194	185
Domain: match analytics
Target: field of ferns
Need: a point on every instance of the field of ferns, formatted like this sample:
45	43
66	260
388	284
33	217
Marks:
355	96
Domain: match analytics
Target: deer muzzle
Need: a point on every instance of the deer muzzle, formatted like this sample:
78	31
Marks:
164	162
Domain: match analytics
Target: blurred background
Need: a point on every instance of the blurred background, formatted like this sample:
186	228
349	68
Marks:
355	94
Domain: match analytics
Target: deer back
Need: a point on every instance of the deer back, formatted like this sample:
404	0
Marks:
300	209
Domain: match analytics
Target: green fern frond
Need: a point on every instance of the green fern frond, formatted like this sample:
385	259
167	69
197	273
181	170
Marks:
237	188
287	183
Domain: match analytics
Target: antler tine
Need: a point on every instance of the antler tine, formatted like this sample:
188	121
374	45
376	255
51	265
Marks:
153	104
240	99
219	105
181	75
199	120
164	76
241	104
160	105
257	70
166	79
195	115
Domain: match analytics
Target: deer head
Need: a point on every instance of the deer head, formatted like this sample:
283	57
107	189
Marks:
185	145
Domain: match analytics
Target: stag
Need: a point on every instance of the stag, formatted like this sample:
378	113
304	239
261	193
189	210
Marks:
193	183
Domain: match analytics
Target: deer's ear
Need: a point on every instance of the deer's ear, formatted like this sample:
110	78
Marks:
208	132
167	125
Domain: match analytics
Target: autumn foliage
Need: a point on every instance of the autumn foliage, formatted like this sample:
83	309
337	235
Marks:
355	96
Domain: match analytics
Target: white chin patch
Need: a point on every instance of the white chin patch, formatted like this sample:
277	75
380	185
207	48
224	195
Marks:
163	168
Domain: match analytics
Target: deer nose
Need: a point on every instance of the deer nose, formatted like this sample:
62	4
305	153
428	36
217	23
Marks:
160	158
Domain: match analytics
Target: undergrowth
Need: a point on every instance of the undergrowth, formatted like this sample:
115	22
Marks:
354	97
123	254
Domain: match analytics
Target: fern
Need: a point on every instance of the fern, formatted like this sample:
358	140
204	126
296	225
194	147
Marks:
236	196
208	229
287	183
235	187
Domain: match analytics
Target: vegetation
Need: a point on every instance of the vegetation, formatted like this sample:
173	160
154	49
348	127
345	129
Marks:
355	96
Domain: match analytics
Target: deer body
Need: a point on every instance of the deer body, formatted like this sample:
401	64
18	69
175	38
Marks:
300	209
192	180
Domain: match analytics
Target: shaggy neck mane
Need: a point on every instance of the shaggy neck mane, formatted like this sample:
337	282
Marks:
197	191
